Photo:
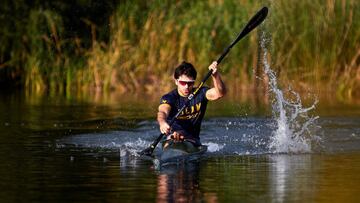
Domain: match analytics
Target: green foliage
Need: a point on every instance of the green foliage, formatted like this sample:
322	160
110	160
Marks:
128	45
316	42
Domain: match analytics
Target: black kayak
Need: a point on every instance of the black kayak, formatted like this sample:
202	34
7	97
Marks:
177	153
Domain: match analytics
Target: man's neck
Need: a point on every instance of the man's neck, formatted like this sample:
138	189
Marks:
182	95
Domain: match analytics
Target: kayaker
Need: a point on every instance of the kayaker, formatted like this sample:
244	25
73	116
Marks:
187	125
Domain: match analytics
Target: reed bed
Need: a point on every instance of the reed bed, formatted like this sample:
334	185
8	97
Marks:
314	45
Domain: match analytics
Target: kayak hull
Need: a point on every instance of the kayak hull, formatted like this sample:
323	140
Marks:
178	153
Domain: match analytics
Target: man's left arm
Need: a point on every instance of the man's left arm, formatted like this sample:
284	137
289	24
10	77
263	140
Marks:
219	89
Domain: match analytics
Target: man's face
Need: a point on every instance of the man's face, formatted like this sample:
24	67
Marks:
185	85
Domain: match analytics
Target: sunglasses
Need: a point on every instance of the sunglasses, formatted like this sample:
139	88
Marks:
189	82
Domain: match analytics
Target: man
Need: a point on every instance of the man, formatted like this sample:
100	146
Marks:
187	125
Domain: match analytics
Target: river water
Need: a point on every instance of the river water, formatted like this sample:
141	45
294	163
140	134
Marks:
76	148
65	149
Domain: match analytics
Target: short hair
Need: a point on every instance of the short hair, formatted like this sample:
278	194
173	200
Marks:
185	68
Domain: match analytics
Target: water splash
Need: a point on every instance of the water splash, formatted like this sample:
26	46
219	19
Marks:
214	147
132	148
127	142
294	125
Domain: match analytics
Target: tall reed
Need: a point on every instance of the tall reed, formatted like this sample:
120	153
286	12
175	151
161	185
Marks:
317	42
143	53
314	44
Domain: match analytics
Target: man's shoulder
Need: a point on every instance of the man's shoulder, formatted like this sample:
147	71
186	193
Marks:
172	93
168	97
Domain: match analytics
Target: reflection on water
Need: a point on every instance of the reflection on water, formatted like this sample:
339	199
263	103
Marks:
315	178
179	183
288	172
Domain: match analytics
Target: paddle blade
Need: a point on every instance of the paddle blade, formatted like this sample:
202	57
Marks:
146	152
256	20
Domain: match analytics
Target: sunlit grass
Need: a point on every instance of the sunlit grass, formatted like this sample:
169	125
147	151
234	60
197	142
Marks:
314	45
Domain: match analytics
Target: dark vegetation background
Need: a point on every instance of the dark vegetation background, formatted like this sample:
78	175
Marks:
133	46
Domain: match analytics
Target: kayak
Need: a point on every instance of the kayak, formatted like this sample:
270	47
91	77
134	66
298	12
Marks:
178	153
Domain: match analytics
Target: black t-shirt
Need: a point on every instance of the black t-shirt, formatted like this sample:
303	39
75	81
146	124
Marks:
188	122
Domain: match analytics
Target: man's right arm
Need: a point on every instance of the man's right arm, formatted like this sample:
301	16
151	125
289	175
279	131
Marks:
163	113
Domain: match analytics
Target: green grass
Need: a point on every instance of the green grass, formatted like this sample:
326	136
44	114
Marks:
314	45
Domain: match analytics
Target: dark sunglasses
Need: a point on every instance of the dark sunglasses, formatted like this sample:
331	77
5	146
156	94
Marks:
189	83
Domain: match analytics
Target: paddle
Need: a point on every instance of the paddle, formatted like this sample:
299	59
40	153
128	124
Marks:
253	23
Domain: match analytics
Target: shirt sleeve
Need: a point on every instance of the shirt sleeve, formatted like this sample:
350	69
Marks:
166	99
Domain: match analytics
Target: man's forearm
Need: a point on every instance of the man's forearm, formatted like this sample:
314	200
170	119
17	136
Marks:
219	84
161	117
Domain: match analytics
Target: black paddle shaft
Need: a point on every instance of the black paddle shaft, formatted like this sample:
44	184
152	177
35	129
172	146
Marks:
253	23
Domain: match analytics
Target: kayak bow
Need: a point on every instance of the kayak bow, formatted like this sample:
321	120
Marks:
177	153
